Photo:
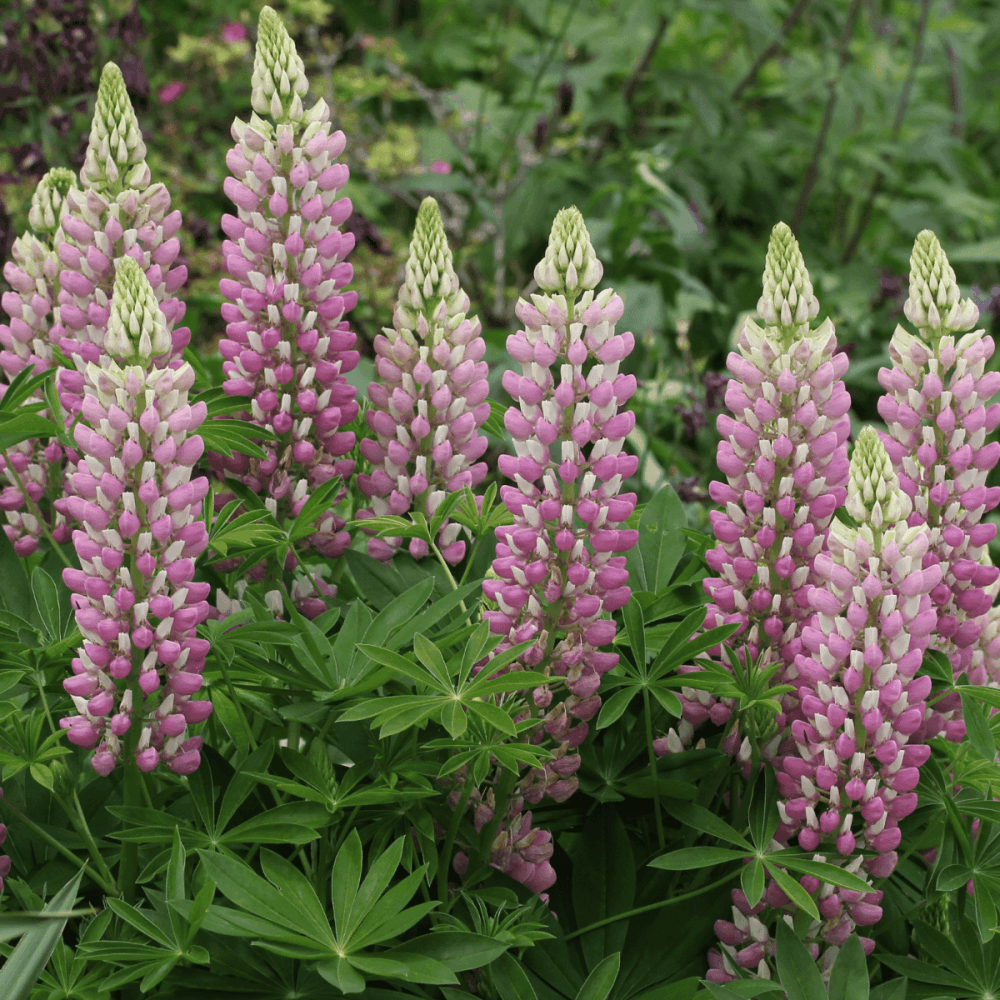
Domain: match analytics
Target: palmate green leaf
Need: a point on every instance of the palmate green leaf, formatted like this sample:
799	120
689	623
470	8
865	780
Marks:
25	964
299	895
822	870
493	716
406	667
515	680
699	818
339	972
635	630
599	983
667	699
321	500
510	980
143	921
978	728
378	925
454	719
799	974
457	951
430	656
24	426
346	879
661	543
688	858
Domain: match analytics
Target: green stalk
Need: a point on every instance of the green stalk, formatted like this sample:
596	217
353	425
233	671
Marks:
79	822
108	887
652	906
128	867
652	768
236	702
449	841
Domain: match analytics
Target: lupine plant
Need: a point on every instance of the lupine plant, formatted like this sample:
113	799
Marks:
272	749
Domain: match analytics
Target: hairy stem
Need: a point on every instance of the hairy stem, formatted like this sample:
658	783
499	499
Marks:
652	768
444	863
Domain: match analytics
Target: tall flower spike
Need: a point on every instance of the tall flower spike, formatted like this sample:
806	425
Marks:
288	347
852	779
938	412
136	602
33	275
279	77
431	402
116	213
560	567
784	454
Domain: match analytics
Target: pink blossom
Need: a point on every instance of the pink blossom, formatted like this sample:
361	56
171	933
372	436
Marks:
172	91
440	167
233	32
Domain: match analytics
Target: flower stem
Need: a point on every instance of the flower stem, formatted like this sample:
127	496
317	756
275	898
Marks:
128	869
652	906
449	840
652	768
108	887
79	822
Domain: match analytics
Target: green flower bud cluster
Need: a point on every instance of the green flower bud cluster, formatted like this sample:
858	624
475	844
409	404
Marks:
570	265
934	305
279	78
137	328
48	202
788	301
116	154
874	496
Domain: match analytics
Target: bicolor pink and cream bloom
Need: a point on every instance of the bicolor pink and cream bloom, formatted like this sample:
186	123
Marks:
938	411
784	454
430	400
33	477
141	528
116	212
288	347
862	703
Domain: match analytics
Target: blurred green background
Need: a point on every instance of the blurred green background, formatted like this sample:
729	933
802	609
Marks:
682	130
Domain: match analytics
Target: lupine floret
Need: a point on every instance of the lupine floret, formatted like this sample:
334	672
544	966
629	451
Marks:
141	529
431	400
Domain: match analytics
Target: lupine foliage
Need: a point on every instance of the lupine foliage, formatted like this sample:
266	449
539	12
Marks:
389	786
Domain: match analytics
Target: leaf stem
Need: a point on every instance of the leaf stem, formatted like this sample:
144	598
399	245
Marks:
652	906
449	840
652	767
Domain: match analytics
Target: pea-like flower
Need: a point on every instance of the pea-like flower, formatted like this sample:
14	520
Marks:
431	400
136	602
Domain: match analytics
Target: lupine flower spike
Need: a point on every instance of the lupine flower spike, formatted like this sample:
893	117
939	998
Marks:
33	277
784	455
116	212
137	605
288	346
938	412
431	400
861	701
560	568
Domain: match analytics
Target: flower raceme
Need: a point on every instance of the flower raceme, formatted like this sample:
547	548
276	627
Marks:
938	411
35	466
784	455
431	400
560	566
139	511
288	347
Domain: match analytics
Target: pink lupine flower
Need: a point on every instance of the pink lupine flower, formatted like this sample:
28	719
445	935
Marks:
430	401
440	167
938	411
36	465
139	511
288	346
861	703
116	212
233	32
560	567
784	456
172	91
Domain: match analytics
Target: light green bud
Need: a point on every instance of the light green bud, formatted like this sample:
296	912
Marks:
874	496
570	265
787	301
934	305
116	154
279	75
48	201
137	329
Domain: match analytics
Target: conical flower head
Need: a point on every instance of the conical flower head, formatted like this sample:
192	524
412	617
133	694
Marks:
430	282
137	328
873	493
116	154
934	304
787	300
570	265
46	212
279	76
